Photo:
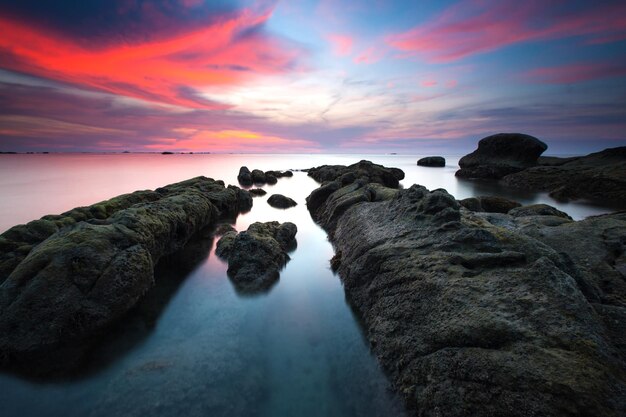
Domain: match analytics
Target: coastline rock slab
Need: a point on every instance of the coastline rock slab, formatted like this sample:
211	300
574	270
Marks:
432	161
599	176
256	256
489	204
501	154
76	282
484	314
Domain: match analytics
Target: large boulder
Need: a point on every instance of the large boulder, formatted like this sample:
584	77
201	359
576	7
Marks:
432	161
364	170
483	314
256	256
74	282
599	176
501	154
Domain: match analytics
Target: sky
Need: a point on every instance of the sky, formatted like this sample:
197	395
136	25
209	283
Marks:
310	76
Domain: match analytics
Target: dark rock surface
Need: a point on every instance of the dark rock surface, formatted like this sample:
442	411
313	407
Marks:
248	178
538	210
599	176
84	269
501	154
256	256
280	201
364	170
432	161
257	192
245	177
483	314
489	204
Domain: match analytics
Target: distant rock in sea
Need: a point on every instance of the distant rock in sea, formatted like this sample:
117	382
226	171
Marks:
247	178
514	160
501	154
432	161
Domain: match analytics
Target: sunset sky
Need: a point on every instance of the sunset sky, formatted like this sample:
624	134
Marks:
310	76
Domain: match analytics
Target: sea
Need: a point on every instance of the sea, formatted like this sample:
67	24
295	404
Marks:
194	346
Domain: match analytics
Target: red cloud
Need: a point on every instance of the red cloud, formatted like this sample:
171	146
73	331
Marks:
370	56
342	45
473	27
170	70
575	73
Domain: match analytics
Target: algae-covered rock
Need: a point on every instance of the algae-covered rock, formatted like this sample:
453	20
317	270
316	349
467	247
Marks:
483	314
256	256
78	281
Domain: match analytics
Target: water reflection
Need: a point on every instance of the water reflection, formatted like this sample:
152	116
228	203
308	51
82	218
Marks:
195	346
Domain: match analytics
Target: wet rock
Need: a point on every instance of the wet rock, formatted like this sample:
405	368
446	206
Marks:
599	176
538	210
258	176
501	154
257	192
489	204
364	170
432	161
256	256
245	176
75	282
483	314
280	201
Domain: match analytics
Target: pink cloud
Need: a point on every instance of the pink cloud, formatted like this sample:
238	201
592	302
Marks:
342	44
172	69
575	73
429	83
473	27
369	56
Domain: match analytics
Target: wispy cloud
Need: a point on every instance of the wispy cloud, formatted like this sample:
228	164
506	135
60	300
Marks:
342	44
472	26
575	73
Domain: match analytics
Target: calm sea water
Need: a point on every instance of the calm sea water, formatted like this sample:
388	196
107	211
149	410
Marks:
194	346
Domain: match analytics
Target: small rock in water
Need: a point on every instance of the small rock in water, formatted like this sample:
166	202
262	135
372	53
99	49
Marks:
257	192
244	177
280	201
256	256
432	161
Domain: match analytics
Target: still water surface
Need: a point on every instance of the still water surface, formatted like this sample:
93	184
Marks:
194	346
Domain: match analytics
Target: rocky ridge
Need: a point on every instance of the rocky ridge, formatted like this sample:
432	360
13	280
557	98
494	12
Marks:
69	277
483	314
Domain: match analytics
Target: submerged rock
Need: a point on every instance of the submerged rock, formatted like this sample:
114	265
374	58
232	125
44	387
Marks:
280	201
86	268
599	176
256	256
483	314
432	161
501	154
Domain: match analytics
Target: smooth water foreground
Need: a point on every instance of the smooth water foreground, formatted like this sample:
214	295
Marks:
194	346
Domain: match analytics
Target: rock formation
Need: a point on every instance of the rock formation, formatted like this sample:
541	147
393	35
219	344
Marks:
483	314
501	154
599	176
256	256
256	176
71	276
364	170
